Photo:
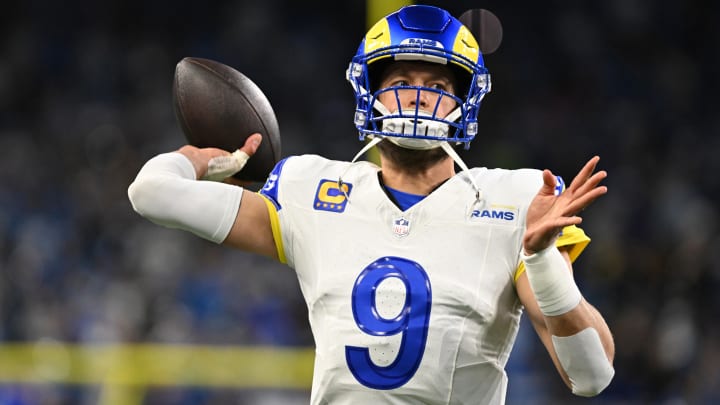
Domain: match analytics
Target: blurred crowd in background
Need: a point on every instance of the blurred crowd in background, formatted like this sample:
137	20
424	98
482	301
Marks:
85	100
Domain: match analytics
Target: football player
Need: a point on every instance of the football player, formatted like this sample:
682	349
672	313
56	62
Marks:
415	276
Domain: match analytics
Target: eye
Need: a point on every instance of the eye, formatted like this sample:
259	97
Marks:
439	86
400	82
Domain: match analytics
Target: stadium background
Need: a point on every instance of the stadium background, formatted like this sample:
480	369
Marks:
99	306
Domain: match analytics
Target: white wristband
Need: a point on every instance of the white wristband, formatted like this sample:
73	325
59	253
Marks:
551	281
166	192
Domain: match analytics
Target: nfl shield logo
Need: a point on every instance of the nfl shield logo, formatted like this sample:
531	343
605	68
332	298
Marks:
401	226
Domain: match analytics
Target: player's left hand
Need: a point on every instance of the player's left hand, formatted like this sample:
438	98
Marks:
548	214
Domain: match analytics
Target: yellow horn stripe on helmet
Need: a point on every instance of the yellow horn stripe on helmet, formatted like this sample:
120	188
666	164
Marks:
466	45
378	36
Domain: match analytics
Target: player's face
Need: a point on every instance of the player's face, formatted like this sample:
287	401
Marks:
418	74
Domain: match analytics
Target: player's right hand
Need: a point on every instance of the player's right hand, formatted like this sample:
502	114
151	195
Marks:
548	213
216	164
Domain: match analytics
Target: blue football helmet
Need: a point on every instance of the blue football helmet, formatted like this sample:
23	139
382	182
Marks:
428	34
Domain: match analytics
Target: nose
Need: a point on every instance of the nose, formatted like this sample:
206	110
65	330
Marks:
418	98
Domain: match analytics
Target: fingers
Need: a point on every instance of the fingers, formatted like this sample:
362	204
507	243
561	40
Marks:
585	179
584	200
549	183
584	174
199	157
585	187
556	225
252	143
222	167
550	214
544	235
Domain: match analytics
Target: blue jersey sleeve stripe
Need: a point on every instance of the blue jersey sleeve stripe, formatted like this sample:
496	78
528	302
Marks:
272	185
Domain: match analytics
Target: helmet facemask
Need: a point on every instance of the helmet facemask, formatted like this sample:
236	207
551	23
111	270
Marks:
415	127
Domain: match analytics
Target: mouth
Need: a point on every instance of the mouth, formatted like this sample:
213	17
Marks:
412	122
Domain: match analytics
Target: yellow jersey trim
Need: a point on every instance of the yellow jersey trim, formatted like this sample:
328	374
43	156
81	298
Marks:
573	238
275	226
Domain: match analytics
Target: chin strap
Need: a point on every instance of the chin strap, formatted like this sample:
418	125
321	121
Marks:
374	141
454	115
456	158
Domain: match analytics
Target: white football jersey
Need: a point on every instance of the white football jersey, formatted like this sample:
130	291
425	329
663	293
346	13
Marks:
406	307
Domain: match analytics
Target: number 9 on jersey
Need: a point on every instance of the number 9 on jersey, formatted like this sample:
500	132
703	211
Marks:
412	322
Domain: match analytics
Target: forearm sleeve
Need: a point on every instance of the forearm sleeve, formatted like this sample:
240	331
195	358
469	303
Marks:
583	358
166	192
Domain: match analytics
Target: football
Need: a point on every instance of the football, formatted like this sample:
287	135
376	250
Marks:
217	106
